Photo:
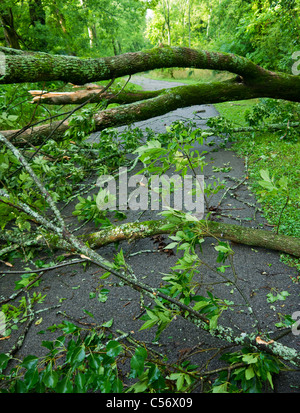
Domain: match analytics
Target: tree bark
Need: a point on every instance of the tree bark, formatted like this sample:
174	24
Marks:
37	134
36	67
235	233
137	230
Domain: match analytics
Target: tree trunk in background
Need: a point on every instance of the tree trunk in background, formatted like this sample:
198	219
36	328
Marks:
36	12
189	23
10	33
166	10
90	32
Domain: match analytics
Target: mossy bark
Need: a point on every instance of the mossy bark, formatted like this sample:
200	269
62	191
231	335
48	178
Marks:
137	230
37	134
38	66
235	233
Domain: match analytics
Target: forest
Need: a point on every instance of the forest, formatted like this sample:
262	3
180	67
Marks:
98	297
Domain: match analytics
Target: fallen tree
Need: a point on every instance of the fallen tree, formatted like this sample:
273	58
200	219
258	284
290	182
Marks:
91	93
252	81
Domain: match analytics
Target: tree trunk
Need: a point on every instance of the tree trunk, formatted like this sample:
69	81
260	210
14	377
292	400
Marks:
37	67
10	33
36	12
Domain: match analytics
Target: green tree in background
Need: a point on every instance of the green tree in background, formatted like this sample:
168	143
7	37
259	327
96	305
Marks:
266	31
76	27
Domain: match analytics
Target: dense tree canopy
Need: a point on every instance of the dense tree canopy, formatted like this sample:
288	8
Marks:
266	31
76	27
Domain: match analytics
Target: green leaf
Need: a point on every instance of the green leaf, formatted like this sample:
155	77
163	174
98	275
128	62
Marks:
264	173
80	381
48	344
20	387
31	378
113	348
171	245
108	324
64	386
222	388
222	248
179	377
249	358
249	373
149	324
68	327
267	185
30	362
4	359
269	377
88	313
117	386
213	322
103	295
199	305
78	355
137	362
50	378
105	275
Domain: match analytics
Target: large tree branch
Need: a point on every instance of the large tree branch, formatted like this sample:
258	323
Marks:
38	66
137	230
235	233
167	100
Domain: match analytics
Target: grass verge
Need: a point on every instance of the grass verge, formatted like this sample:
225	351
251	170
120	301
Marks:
269	151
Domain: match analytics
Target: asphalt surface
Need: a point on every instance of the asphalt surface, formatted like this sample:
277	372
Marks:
259	271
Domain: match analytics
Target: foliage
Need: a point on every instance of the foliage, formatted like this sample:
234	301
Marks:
175	148
79	27
275	153
267	31
81	360
254	371
78	361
